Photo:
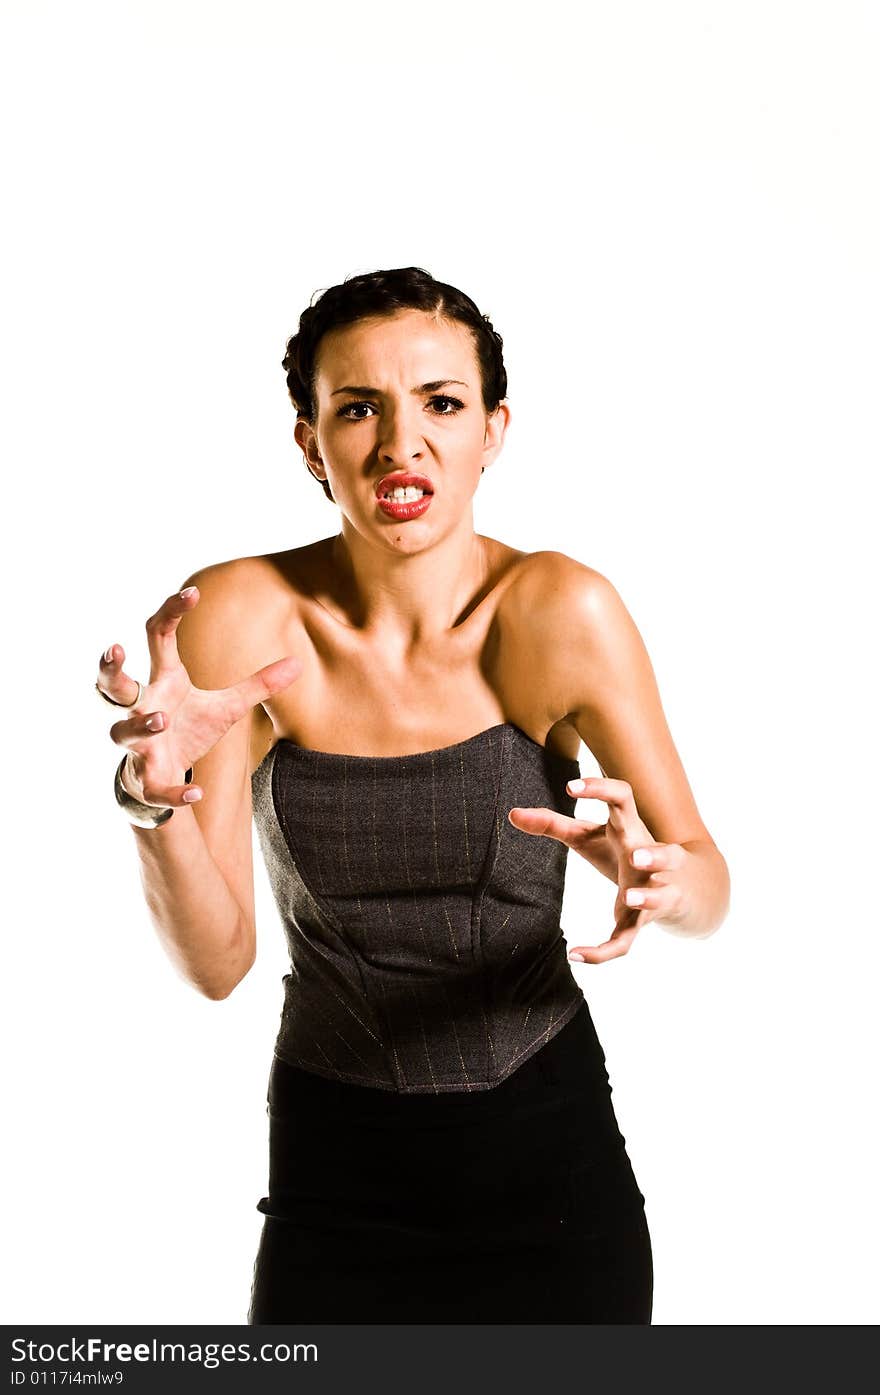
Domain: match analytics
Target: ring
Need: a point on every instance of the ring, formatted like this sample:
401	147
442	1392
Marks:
114	703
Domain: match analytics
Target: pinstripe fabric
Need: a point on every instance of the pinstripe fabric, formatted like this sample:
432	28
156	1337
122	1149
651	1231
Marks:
425	946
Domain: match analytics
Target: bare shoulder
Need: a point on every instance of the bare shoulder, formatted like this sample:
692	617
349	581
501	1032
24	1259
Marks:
588	623
556	578
247	608
244	603
536	617
597	649
564	613
604	685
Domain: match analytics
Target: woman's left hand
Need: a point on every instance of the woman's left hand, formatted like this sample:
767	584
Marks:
649	886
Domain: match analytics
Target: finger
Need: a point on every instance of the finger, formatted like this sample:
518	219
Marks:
131	731
627	925
548	823
149	791
111	678
162	630
173	796
643	858
619	943
272	678
617	794
661	901
659	857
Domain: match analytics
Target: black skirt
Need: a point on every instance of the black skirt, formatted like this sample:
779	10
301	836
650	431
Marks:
515	1204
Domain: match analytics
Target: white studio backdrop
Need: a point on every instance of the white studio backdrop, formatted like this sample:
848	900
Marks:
671	214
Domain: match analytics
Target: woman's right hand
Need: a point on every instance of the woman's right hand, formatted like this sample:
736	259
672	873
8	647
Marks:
175	723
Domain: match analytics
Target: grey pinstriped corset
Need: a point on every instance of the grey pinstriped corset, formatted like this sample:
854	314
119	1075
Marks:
425	946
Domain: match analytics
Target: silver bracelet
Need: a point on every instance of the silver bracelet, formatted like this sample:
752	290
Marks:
140	814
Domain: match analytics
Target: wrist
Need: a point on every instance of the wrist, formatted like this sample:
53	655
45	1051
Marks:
138	813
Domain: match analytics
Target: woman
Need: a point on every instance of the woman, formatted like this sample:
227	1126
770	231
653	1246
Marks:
443	1146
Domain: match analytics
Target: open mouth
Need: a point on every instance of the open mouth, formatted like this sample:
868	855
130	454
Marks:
403	486
402	496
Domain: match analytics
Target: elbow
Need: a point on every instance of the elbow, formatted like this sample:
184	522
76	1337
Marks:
219	977
217	991
718	920
216	994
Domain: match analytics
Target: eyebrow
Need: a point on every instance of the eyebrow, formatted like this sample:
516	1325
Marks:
425	387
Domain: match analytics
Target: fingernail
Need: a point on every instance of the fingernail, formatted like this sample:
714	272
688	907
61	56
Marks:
191	796
156	722
108	655
576	786
187	591
579	957
642	858
634	897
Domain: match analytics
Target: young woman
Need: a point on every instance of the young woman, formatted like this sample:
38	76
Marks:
443	1146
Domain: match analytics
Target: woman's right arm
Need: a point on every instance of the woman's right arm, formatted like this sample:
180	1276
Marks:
197	867
206	927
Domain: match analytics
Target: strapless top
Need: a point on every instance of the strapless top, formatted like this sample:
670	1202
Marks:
426	952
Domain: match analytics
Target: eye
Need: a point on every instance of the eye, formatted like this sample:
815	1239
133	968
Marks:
450	406
347	407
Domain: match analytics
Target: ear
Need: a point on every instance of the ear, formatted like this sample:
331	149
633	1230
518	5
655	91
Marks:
307	440
496	426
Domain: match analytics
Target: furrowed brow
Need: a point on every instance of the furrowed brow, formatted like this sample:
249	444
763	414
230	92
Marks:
425	387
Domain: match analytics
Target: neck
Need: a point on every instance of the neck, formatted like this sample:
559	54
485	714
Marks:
407	598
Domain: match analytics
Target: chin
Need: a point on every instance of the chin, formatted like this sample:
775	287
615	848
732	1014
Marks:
403	537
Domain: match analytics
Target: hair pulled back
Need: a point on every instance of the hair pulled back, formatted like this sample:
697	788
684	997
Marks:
384	293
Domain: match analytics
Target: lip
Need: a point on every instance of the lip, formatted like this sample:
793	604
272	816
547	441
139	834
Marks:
400	479
405	509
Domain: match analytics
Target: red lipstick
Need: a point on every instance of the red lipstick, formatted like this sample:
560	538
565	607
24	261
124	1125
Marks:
404	509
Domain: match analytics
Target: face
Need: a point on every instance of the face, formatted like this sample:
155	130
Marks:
395	395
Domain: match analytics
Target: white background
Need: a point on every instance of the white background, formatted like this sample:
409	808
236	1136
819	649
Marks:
671	214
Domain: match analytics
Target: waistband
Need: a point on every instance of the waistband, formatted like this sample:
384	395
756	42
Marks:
568	1062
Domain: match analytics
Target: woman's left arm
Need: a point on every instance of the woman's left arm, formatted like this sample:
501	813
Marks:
603	680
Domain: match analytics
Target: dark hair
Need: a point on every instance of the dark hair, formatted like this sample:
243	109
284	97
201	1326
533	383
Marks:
384	293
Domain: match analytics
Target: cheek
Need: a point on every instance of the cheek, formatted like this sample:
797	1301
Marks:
468	436
339	444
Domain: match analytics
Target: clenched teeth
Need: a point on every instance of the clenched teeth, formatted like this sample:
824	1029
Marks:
401	494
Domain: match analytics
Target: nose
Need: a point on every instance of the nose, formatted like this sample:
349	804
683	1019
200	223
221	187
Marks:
400	438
